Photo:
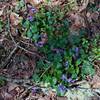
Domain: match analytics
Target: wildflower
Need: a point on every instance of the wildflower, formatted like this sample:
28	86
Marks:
30	18
36	90
76	55
33	10
39	44
69	80
62	88
66	64
43	35
64	78
76	50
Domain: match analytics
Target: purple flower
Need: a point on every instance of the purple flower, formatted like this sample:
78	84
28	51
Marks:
72	81
69	80
39	44
62	88
33	10
76	49
76	55
43	35
66	64
30	18
64	78
35	90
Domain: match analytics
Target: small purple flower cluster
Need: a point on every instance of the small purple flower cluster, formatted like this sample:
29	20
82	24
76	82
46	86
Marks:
76	50
30	18
32	10
43	38
62	88
76	53
65	79
66	64
36	90
39	44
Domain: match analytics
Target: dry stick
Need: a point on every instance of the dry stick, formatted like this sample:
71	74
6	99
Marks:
29	44
9	57
45	71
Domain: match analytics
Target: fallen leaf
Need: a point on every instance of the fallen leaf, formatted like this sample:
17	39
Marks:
15	19
11	86
95	82
77	21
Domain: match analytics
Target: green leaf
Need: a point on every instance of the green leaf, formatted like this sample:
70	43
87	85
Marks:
26	24
74	39
35	37
77	70
54	80
87	69
34	28
29	34
78	62
35	78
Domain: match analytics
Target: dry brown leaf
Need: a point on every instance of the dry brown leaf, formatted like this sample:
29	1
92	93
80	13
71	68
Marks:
96	85
96	82
77	21
11	86
15	19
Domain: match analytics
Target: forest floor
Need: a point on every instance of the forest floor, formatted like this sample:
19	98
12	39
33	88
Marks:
18	55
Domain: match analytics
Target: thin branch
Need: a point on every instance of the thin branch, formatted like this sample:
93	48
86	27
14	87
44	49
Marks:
9	57
33	53
45	71
29	44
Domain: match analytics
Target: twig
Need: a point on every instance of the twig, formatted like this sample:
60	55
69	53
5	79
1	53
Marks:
45	71
29	44
33	53
9	57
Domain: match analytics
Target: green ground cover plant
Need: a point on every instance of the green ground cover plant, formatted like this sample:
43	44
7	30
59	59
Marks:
70	56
